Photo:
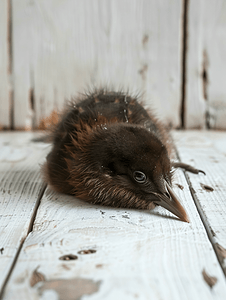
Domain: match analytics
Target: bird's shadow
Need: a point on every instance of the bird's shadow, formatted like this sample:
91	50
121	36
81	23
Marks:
59	200
155	213
73	202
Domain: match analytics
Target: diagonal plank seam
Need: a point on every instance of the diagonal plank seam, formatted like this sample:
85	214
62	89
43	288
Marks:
202	216
30	228
37	204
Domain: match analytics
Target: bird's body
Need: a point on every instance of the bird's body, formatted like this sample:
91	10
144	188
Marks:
108	149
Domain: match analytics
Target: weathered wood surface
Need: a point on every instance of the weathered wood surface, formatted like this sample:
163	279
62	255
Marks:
59	47
207	151
138	254
23	48
206	64
20	185
4	66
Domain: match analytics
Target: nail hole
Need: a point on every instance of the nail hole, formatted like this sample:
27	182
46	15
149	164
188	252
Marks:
90	251
68	257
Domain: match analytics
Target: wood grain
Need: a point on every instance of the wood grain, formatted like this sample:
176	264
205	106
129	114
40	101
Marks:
206	150
121	253
60	47
23	60
20	185
4	67
206	65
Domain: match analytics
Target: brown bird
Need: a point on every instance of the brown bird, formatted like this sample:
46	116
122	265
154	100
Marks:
107	149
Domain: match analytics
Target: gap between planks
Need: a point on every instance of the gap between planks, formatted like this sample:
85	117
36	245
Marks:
30	228
204	221
201	214
10	63
184	62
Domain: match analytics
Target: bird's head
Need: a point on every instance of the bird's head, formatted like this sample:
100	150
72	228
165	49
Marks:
122	165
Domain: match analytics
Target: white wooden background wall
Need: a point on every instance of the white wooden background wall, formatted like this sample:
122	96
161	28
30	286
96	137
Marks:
52	49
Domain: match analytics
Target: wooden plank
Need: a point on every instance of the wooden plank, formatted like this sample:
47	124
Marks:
4	67
20	185
205	86
137	254
207	150
22	63
71	44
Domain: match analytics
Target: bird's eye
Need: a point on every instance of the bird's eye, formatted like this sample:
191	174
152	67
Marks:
139	176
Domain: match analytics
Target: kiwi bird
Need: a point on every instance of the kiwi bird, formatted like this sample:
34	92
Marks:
109	150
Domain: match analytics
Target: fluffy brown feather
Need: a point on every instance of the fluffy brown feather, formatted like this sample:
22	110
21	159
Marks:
108	149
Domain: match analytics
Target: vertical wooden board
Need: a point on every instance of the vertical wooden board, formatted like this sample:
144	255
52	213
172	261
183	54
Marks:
162	25
20	185
216	68
4	66
72	44
142	51
206	65
137	254
22	36
195	105
206	150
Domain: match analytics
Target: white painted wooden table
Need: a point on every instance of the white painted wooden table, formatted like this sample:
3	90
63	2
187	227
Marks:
111	253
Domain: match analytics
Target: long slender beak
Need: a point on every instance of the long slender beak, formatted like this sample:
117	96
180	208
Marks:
170	201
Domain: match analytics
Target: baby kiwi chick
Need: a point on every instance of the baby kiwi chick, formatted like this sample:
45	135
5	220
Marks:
107	149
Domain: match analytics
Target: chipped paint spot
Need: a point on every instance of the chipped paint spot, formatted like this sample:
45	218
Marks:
207	187
221	251
31	247
71	289
210	280
212	232
125	216
143	71
68	257
65	267
145	39
36	277
180	186
90	251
